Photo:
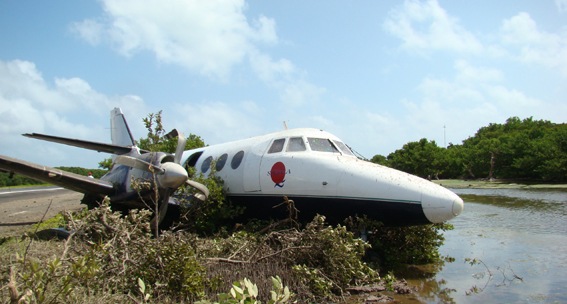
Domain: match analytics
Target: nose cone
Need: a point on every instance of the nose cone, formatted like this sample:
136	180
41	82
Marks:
440	204
458	206
173	176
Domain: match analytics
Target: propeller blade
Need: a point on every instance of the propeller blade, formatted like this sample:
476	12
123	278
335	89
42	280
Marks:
181	141
137	163
204	191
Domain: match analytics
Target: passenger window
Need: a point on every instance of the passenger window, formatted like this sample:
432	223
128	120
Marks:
237	159
277	146
343	147
322	145
221	162
206	164
296	144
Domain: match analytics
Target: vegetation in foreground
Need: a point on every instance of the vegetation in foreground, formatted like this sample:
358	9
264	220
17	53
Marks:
111	258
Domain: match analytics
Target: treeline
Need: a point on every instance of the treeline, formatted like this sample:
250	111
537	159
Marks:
518	149
10	180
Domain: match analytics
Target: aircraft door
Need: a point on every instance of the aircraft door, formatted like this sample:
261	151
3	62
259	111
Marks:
252	164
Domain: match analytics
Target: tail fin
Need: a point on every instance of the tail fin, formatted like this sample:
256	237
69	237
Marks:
119	130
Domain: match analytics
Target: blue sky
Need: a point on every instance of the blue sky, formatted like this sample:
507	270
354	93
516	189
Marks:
378	74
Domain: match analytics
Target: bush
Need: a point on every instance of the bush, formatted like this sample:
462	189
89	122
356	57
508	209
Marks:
111	257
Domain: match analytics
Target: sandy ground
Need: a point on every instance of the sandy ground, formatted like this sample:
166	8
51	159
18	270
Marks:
18	216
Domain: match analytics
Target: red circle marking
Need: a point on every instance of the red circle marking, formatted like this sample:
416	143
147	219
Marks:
278	173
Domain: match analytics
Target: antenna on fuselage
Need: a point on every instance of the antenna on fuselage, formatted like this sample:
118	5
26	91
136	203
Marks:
285	125
358	155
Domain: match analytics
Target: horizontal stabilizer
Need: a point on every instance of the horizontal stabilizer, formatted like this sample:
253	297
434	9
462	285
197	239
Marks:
68	180
91	145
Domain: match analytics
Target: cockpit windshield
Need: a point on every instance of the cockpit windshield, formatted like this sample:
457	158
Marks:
322	145
344	148
298	144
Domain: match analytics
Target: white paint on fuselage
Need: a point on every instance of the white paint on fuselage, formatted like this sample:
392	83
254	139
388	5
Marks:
323	174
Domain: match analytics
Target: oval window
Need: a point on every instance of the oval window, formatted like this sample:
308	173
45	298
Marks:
206	164
221	162
237	159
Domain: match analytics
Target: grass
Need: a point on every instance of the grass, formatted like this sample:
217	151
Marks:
496	184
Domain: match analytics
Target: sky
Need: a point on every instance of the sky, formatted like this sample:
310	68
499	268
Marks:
378	74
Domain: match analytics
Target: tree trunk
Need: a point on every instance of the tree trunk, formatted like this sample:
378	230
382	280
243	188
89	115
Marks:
492	162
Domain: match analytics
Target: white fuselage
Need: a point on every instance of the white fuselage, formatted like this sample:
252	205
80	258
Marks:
322	176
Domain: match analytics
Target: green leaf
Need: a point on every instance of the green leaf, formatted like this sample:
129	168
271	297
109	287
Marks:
142	286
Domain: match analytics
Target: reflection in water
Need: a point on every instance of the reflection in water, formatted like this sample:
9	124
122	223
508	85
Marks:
516	241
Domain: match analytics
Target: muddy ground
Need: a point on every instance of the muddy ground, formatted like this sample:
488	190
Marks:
496	183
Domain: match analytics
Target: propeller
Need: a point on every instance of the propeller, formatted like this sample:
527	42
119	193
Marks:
181	141
169	175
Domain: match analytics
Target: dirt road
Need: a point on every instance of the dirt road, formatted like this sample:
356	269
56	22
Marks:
18	212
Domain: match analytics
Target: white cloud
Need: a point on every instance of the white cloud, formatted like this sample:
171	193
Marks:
273	72
209	37
217	122
68	107
206	37
90	30
299	93
529	44
294	90
469	73
513	99
476	96
424	26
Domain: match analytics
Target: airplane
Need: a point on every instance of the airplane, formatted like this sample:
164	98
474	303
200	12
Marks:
131	165
310	167
321	175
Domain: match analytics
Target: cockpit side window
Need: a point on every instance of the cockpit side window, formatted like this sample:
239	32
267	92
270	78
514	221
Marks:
192	160
322	145
343	147
296	144
277	146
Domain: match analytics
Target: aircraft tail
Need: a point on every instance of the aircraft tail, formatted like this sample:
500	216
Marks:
119	130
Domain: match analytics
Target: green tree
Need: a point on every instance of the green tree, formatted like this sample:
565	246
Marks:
454	162
423	158
517	149
380	159
157	141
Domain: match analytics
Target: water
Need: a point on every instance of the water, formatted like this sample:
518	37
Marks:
516	241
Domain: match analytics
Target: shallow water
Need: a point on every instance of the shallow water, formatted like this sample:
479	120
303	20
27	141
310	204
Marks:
518	242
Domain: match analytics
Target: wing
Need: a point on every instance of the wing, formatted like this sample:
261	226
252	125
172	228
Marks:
91	145
57	177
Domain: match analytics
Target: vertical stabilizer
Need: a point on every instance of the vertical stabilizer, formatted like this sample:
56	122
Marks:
119	131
